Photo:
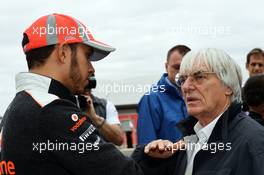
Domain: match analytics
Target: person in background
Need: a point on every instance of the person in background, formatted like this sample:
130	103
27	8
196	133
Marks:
253	96
255	66
161	109
255	62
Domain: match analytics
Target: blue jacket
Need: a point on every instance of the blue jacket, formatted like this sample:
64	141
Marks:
159	111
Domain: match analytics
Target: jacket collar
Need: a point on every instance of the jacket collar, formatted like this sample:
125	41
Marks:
255	116
169	87
32	81
220	132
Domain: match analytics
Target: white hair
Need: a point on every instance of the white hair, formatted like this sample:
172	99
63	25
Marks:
215	60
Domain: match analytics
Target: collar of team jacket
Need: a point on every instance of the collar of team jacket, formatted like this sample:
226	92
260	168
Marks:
223	125
29	80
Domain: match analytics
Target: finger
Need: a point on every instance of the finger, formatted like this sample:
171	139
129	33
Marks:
161	146
153	146
86	96
146	149
89	100
179	145
168	146
149	146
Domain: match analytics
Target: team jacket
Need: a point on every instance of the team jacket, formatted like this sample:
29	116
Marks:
246	156
44	132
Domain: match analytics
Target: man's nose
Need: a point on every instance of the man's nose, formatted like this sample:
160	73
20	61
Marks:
188	85
257	66
91	68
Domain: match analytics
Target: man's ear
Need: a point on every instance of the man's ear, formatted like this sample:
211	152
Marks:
247	65
63	51
229	91
166	66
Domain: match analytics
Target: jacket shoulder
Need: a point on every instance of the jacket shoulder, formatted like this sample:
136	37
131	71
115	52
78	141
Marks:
252	133
41	98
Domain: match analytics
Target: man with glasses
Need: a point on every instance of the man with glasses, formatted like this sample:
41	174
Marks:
218	137
160	110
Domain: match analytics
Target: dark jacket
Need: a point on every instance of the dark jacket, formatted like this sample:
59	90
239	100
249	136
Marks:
257	117
159	111
245	157
44	113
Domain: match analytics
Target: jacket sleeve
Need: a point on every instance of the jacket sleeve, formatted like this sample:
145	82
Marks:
153	166
78	148
148	120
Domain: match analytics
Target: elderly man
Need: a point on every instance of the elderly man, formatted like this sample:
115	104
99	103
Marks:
44	131
219	138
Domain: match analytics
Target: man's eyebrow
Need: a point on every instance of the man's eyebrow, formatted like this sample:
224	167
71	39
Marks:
178	65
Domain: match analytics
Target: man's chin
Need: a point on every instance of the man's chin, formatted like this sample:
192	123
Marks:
79	91
194	111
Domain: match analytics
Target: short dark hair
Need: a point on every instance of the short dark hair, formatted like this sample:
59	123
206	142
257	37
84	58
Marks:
182	49
255	51
253	90
37	57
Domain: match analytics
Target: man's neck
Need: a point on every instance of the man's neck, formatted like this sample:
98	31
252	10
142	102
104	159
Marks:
208	118
51	74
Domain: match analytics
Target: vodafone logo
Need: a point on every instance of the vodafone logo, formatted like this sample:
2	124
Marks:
78	124
74	117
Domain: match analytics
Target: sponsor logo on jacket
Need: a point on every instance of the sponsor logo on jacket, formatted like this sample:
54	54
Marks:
87	133
78	124
7	167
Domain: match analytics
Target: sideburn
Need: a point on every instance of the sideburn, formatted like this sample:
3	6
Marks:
75	74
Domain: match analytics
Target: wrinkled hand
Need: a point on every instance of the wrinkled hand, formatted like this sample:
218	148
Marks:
163	148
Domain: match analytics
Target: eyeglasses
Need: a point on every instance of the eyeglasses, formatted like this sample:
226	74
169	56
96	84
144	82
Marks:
197	77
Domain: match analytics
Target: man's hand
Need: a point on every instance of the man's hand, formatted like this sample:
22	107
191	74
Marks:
96	119
90	107
163	148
